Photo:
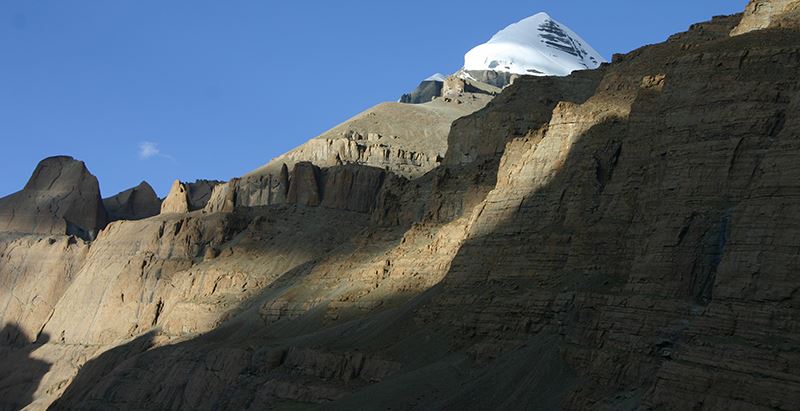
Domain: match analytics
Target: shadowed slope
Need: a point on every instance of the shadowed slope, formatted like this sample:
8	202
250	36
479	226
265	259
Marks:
20	372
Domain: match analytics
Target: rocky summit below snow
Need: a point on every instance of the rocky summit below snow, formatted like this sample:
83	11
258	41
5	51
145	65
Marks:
425	92
535	46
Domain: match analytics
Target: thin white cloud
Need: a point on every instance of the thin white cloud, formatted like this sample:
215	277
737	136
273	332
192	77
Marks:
149	149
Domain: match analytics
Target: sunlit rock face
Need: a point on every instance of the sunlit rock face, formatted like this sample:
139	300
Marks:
408	140
177	200
762	14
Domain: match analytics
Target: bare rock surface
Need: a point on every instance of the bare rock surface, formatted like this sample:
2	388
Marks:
177	200
762	14
61	197
497	79
345	187
424	93
133	204
186	197
628	243
250	191
353	188
406	139
36	272
304	186
199	193
514	113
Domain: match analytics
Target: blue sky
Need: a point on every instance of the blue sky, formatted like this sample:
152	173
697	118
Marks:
157	90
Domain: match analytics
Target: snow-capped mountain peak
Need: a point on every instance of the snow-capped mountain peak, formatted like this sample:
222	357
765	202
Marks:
537	45
437	77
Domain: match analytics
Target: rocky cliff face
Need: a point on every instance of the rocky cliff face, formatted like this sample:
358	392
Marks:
133	204
199	193
617	239
762	14
346	187
177	200
61	197
405	139
515	113
639	207
424	93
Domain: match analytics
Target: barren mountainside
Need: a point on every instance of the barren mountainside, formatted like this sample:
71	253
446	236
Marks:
620	238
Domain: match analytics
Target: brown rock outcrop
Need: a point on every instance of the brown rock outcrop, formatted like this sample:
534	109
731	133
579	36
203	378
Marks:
424	93
61	197
405	139
177	201
223	197
304	185
762	14
458	86
347	187
133	204
195	196
351	187
280	189
514	113
250	191
199	193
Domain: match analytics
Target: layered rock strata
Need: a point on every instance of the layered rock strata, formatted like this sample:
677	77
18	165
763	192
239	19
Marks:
346	187
406	139
626	243
642	210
